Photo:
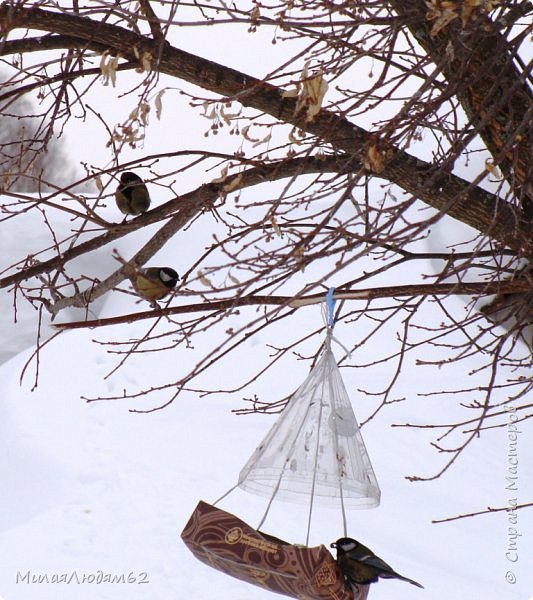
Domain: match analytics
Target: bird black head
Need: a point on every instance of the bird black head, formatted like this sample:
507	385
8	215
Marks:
345	545
168	276
129	177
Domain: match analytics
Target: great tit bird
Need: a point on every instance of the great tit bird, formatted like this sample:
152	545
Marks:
154	283
132	197
359	564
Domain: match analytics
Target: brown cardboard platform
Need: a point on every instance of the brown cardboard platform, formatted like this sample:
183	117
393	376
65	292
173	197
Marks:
224	542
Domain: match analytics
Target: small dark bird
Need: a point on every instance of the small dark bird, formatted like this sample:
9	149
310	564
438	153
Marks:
154	283
359	564
132	197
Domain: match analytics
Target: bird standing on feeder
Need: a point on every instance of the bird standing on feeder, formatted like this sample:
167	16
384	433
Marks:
154	283
358	564
132	196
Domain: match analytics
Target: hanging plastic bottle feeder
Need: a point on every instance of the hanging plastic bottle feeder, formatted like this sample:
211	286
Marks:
315	448
314	453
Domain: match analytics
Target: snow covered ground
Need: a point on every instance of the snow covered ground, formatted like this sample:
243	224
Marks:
92	490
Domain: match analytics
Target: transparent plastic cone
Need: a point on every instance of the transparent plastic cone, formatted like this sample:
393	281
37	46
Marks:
315	448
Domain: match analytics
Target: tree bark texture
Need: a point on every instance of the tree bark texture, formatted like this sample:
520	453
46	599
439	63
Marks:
449	194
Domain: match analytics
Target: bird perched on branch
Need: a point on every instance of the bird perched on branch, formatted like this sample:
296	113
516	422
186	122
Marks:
154	283
132	197
358	564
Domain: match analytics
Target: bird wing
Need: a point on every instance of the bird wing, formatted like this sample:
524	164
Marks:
374	561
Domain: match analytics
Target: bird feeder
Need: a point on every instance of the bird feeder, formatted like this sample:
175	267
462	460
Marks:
315	449
314	453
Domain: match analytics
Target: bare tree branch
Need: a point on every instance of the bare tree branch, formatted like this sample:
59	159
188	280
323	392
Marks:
476	57
484	512
426	105
452	195
341	294
184	208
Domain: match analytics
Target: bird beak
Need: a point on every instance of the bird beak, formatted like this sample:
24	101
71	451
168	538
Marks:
333	545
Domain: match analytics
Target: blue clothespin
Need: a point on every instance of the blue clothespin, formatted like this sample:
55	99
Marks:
330	302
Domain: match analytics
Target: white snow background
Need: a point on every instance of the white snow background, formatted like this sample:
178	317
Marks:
89	488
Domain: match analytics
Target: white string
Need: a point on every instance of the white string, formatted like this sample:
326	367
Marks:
289	456
315	467
337	454
348	353
225	494
274	493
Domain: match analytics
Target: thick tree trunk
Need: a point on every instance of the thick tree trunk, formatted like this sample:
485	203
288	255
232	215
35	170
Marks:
478	63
